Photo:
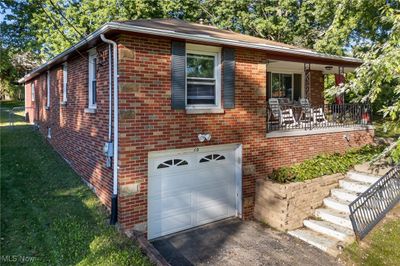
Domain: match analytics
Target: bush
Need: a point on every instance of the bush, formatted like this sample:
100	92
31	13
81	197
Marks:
325	164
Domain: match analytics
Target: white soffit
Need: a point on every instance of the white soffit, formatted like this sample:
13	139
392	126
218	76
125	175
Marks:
296	67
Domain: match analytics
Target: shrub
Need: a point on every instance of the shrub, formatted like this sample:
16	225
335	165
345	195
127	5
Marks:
325	164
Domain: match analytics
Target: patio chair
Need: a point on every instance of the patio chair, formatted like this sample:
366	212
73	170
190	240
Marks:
283	117
274	107
319	115
306	115
287	118
310	114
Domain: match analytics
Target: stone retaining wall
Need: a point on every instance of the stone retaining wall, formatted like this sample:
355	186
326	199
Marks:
285	206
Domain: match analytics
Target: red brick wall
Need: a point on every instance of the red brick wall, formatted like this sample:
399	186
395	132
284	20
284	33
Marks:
78	136
148	123
317	88
29	103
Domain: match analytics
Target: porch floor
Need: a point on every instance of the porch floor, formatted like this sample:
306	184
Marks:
304	132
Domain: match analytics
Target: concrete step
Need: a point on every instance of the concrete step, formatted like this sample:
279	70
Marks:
333	216
345	194
353	185
337	204
328	244
330	229
379	168
362	177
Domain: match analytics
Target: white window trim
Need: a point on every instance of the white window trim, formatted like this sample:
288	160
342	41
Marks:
276	71
205	50
65	83
92	55
48	90
33	91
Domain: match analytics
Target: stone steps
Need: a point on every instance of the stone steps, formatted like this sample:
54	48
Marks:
337	204
344	194
362	177
332	229
353	185
335	217
323	242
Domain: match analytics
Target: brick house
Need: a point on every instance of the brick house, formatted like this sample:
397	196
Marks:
193	128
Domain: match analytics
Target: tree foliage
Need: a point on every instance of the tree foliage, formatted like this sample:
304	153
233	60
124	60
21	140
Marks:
40	29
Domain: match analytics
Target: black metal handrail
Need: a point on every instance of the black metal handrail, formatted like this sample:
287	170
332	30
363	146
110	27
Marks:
373	204
285	117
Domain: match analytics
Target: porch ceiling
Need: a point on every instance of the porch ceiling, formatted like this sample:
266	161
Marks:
278	65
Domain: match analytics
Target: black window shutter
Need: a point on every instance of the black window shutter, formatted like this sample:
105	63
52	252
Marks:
178	75
229	78
268	85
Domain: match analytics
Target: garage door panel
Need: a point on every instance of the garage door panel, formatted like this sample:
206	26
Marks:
213	213
167	225
169	206
183	196
216	195
170	182
164	187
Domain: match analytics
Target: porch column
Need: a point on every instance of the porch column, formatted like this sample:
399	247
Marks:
307	80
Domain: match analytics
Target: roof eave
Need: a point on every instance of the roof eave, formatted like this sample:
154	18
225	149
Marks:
198	38
103	29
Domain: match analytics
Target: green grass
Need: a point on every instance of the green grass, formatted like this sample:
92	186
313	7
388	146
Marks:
47	213
6	116
380	247
325	164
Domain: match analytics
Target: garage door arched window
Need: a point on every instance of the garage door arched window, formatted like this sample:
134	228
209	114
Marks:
172	163
212	157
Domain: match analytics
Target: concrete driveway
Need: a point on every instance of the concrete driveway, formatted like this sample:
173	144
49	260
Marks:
236	242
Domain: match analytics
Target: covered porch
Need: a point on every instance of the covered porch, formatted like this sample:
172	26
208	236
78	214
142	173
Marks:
296	104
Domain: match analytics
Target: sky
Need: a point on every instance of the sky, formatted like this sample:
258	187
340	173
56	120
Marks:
7	11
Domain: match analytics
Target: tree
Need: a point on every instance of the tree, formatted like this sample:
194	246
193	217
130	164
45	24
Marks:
377	80
19	47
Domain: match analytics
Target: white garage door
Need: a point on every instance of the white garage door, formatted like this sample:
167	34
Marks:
191	187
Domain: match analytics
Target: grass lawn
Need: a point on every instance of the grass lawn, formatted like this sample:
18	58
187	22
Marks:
48	216
380	247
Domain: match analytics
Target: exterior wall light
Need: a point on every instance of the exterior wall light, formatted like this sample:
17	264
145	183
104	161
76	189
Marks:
204	137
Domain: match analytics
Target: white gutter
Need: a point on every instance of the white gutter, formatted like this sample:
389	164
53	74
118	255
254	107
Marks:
114	203
190	37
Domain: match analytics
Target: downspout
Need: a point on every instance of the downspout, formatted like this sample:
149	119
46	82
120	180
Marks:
114	198
109	93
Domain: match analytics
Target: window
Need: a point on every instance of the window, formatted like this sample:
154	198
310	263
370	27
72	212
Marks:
170	163
92	78
282	85
33	91
48	90
65	78
285	85
203	76
212	157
